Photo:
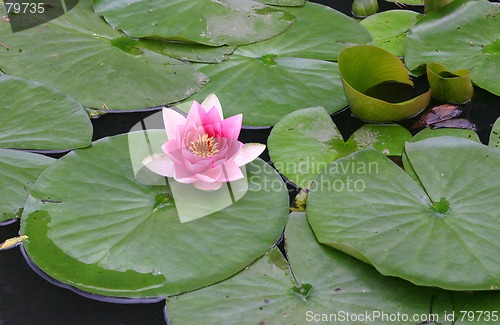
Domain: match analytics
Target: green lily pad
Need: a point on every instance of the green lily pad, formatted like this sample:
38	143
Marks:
324	283
471	30
183	51
232	22
377	85
447	86
18	171
306	141
389	29
75	54
285	73
93	225
38	117
495	135
428	133
442	234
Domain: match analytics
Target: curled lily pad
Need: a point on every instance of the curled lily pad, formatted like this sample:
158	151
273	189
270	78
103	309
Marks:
306	141
232	22
75	53
38	117
389	29
93	225
450	87
18	172
377	85
495	135
461	35
442	232
317	284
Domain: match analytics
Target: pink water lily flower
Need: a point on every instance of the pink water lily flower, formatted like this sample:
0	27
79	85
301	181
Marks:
203	149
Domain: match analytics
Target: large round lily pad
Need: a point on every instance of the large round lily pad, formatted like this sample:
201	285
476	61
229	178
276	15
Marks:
38	117
92	225
270	79
18	171
76	54
462	35
444	234
233	22
325	283
306	141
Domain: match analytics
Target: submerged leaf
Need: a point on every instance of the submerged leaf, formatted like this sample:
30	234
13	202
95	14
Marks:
437	114
12	242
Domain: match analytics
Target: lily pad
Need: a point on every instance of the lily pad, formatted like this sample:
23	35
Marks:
18	171
92	225
286	73
319	283
472	33
232	22
38	117
389	29
443	234
495	135
428	133
284	3
447	86
377	85
306	141
75	54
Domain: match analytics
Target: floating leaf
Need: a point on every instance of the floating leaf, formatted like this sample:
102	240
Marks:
377	85
472	40
495	135
284	3
325	283
442	234
38	117
437	114
232	22
306	141
447	86
12	242
428	133
75	54
279	75
93	226
18	172
389	29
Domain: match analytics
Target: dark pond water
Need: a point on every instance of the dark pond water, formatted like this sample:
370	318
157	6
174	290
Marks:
27	298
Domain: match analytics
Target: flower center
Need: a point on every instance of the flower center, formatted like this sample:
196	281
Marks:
204	146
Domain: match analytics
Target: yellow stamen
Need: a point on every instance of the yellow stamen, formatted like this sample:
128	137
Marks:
204	146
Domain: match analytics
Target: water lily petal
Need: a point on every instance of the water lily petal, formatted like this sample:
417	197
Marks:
172	120
231	172
231	127
212	101
249	152
204	186
160	164
211	175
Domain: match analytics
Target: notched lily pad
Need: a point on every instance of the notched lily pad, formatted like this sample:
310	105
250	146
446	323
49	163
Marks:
318	283
93	225
306	141
214	23
38	117
410	230
447	86
377	85
18	171
471	30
